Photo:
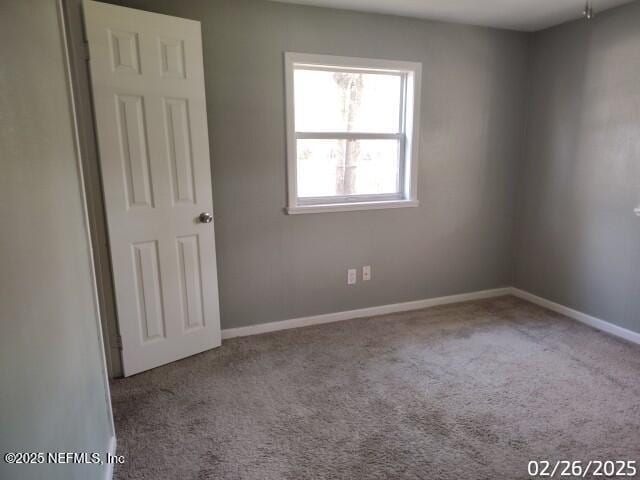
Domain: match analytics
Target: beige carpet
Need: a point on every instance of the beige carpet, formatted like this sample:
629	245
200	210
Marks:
466	391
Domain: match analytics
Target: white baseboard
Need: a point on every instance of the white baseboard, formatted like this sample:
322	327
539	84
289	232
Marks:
432	302
108	474
362	312
579	316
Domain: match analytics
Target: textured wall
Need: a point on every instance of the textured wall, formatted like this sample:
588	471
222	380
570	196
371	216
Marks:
53	395
273	266
578	242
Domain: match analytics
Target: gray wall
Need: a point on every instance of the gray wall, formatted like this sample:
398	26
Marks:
53	395
578	242
273	266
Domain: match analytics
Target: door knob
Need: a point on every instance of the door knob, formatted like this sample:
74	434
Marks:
205	217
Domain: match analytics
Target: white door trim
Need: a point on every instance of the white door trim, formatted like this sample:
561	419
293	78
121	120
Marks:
85	214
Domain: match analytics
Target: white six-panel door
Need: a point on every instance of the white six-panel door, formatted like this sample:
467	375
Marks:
150	111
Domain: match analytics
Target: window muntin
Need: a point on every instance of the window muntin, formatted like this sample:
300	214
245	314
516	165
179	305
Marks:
350	124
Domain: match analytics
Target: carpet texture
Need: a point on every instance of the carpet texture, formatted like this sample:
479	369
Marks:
466	391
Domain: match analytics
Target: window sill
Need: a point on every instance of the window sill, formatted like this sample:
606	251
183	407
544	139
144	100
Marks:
349	207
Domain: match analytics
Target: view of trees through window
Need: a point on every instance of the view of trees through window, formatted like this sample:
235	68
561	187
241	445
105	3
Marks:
333	103
351	86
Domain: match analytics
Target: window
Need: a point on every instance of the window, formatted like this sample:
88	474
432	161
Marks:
350	133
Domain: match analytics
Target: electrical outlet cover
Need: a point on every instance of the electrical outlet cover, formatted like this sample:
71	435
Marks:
366	273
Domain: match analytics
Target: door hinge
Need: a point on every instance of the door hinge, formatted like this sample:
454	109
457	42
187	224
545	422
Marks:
87	56
119	342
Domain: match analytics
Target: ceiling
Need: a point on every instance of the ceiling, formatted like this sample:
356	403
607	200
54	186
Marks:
524	15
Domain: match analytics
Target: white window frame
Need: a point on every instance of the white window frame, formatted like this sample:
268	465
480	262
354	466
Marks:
411	74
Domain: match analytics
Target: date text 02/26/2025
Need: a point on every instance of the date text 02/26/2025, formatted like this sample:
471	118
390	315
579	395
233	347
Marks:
582	469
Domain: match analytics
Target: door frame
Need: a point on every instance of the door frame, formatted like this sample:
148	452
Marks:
77	128
77	52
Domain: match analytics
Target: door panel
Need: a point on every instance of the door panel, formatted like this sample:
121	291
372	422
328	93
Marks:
179	149
150	109
172	56
190	282
125	52
148	293
133	147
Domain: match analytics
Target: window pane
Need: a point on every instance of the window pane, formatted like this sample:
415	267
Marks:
346	102
347	167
